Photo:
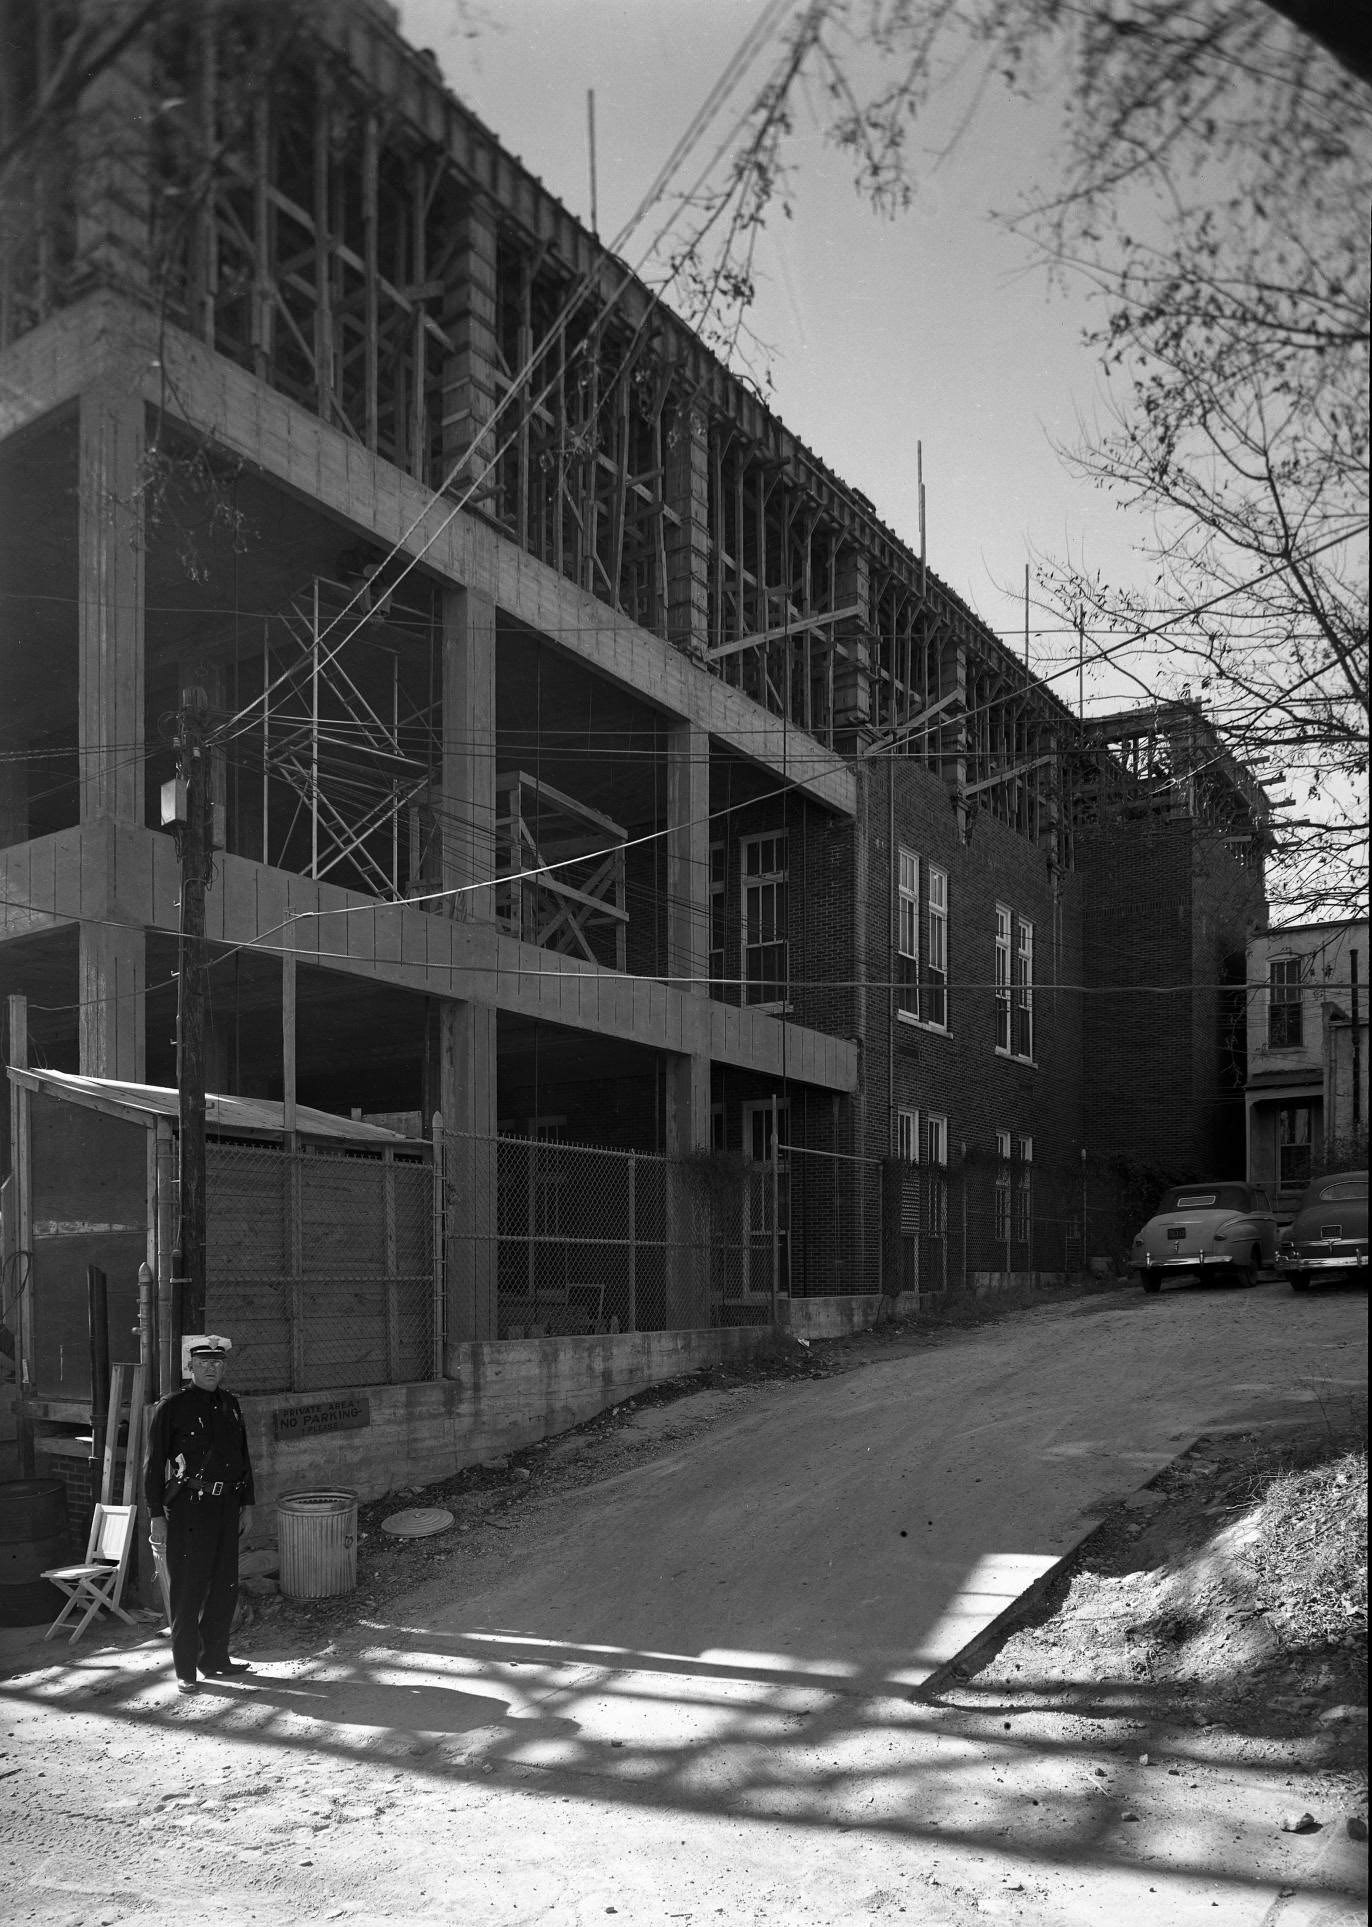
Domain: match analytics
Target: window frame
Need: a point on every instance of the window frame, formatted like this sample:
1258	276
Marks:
718	954
1005	938
1289	1005
907	1136
922	929
936	1138
775	986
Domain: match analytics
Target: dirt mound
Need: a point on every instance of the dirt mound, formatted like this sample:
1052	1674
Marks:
1231	1592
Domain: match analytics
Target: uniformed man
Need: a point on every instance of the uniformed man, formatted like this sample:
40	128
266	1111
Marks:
198	1484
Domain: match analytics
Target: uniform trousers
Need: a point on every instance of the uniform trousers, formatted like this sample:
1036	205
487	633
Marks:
202	1578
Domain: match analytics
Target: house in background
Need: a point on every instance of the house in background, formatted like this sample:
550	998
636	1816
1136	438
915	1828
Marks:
1306	1096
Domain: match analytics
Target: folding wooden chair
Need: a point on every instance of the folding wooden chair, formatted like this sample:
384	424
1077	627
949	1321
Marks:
100	1581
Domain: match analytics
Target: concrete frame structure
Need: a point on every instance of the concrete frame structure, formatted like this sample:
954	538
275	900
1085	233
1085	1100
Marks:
308	324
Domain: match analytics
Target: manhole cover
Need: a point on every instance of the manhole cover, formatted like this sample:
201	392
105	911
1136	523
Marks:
417	1522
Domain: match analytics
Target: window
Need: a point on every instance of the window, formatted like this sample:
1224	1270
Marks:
907	934
936	1129
1024	988
1293	1145
717	879
934	988
1003	1187
1024	1203
1014	983
1284	1003
907	1136
921	940
766	955
1003	923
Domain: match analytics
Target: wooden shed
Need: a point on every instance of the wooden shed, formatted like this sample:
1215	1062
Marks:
320	1249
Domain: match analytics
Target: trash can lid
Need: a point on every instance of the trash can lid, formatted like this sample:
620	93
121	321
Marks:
417	1522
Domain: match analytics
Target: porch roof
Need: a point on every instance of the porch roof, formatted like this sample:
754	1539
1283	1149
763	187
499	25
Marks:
224	1115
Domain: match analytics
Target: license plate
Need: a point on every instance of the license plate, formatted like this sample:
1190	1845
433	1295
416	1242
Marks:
1331	1231
1177	1231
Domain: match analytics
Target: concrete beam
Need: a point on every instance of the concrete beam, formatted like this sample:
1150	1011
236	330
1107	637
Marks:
293	447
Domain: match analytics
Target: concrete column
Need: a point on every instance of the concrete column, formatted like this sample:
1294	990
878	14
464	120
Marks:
467	1089
686	491
852	642
466	806
469	388
688	858
688	1228
110	578
112	975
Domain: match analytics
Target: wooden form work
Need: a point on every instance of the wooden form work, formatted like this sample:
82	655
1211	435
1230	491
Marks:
577	907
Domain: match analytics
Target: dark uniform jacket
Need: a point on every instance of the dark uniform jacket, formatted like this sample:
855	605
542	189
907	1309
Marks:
197	1440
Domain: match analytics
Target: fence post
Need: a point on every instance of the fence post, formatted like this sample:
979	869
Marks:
775	1161
439	1246
392	1297
633	1245
295	1244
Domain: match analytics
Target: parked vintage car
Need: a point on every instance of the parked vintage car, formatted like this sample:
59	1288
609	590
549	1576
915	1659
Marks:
1217	1228
1327	1238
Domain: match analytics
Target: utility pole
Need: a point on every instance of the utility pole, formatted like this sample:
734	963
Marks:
190	811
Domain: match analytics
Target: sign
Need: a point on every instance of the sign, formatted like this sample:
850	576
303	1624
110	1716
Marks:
349	1412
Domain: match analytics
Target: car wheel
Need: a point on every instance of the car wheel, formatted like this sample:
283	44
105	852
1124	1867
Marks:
1296	1282
1149	1281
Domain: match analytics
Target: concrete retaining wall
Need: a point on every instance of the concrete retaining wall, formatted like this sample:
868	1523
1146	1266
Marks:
505	1395
502	1396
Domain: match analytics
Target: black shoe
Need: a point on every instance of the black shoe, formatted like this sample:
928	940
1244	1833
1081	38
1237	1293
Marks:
231	1669
188	1686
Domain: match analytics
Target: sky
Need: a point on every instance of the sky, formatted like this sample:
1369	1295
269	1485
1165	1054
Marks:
932	328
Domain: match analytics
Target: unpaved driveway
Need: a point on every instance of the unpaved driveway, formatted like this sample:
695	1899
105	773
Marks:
689	1690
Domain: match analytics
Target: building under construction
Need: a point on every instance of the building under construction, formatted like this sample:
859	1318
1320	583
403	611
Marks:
590	767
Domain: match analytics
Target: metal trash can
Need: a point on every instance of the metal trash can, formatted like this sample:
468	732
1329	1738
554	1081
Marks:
317	1540
33	1536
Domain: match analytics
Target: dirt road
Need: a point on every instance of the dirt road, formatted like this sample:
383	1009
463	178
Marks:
690	1689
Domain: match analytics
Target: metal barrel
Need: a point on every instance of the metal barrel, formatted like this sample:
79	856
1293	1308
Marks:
33	1536
317	1541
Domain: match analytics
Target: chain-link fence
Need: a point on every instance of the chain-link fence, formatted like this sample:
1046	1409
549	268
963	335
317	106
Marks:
320	1267
554	1239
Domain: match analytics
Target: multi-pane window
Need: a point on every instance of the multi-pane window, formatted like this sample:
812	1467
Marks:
936	1137
1024	988
934	985
1024	1190
1284	1003
1293	1145
907	933
717	942
766	956
1004	923
907	1136
1014	983
921	940
1003	1187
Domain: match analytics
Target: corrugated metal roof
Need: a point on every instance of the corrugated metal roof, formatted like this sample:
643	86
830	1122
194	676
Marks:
228	1116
